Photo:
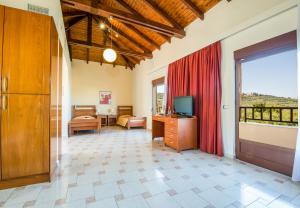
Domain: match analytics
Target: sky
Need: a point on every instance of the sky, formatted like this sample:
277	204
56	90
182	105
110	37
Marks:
161	88
271	75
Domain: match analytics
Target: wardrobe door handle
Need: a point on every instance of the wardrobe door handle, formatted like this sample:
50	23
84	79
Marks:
4	102
4	84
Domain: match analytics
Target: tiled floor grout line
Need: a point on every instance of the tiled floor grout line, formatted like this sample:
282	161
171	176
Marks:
172	180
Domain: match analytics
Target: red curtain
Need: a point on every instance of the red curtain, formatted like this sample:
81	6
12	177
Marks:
198	75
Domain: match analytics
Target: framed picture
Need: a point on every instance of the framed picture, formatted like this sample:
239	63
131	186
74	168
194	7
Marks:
105	97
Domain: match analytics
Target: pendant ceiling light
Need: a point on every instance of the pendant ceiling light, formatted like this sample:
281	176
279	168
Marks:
109	54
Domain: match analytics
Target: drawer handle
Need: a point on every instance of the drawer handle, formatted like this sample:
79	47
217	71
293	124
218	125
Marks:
4	102
4	84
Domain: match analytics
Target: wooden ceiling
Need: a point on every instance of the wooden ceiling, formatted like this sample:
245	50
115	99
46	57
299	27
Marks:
135	28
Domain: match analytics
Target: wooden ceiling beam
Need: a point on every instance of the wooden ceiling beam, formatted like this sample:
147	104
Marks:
103	47
163	14
129	8
75	21
105	37
133	60
73	14
194	8
130	39
116	45
124	46
133	11
120	43
113	29
89	36
142	35
125	17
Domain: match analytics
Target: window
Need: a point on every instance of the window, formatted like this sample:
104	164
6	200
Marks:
266	75
270	84
158	96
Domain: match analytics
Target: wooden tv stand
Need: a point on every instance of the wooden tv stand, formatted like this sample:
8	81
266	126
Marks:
178	133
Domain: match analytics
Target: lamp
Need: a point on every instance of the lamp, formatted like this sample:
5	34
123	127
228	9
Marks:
109	54
102	25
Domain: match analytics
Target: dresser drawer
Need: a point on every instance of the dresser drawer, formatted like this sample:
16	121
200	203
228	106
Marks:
171	134
158	118
171	128
172	121
171	142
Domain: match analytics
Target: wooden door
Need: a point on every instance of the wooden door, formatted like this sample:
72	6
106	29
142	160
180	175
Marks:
24	135
26	52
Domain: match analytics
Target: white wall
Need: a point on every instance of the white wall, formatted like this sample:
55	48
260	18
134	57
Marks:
55	11
89	79
238	24
66	97
282	136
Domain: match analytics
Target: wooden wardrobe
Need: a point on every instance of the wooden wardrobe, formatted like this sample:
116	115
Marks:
30	71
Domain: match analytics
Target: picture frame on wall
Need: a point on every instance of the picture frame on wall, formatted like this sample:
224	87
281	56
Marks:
105	97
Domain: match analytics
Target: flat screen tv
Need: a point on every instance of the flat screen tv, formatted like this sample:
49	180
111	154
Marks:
183	105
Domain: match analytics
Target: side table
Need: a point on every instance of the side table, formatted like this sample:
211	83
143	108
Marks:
104	120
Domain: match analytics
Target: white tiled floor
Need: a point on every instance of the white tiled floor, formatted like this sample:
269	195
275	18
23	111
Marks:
124	169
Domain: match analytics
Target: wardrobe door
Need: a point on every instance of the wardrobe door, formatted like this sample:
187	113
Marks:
26	52
24	135
1	33
1	40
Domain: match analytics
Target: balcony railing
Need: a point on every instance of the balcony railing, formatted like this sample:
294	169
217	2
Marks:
281	115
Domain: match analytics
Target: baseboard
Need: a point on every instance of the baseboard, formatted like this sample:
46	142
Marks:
23	181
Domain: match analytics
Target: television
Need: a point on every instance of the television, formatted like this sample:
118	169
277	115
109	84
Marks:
183	105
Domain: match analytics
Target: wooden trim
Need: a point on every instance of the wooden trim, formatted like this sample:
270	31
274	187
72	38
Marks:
102	47
163	14
89	36
130	9
125	17
73	14
130	39
142	35
279	159
268	47
124	110
23	181
238	83
137	122
194	8
75	21
158	81
84	110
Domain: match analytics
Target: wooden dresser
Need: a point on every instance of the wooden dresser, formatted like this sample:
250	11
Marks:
178	133
30	74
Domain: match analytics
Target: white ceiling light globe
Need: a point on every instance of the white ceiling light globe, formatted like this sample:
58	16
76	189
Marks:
109	55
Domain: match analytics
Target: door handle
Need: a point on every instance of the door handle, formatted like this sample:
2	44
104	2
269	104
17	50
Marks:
4	84
4	102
